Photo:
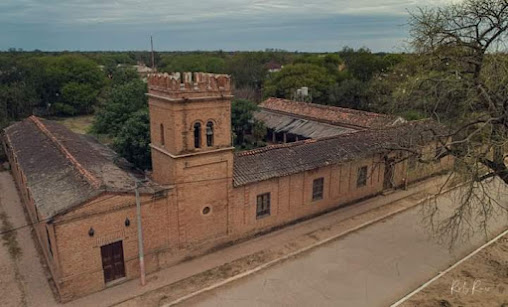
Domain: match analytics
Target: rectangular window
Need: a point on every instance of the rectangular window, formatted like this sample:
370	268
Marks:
263	205
317	189
361	180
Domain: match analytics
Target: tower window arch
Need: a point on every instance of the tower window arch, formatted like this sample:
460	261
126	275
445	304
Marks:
209	134
162	134
197	135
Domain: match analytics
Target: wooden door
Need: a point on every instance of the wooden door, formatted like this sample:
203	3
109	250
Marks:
389	173
112	261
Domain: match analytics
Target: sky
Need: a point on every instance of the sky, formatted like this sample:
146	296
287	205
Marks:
293	25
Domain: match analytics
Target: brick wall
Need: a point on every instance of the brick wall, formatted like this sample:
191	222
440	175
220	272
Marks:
81	272
291	196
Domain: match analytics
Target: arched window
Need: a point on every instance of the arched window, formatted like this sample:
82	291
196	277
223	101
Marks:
209	134
162	134
197	135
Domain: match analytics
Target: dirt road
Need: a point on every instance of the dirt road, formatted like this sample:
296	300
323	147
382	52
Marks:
371	267
22	279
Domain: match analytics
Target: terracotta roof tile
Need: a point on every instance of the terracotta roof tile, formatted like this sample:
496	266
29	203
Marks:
287	159
334	115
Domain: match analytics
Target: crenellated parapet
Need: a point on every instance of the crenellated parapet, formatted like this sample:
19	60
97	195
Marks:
189	85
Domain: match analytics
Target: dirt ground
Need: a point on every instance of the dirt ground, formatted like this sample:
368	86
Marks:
23	279
482	280
12	292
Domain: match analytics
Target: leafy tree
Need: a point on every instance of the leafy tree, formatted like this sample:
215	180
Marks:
284	83
77	75
462	82
77	98
193	63
16	101
392	59
133	140
248	131
259	131
350	93
122	75
17	92
248	69
124	100
331	62
112	58
145	57
385	92
362	64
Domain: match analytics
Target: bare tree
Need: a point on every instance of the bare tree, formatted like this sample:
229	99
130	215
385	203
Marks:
463	82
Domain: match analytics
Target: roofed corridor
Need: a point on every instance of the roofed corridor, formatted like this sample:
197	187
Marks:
292	121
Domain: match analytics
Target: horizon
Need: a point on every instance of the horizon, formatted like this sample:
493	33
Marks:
244	25
21	50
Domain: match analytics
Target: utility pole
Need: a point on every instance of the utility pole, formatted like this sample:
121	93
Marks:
140	237
153	58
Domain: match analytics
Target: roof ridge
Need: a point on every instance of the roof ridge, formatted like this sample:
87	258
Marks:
82	170
276	146
339	136
328	107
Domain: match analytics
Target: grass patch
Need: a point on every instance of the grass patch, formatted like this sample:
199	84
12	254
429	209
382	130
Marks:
78	124
9	236
83	125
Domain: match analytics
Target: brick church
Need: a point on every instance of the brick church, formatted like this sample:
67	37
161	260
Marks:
201	194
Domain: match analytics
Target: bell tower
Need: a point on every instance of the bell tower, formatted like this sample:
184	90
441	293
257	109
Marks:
190	128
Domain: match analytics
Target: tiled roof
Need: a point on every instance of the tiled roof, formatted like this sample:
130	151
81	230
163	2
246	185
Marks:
332	115
287	159
64	169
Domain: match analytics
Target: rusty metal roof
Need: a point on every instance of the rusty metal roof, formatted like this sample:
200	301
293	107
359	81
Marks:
299	126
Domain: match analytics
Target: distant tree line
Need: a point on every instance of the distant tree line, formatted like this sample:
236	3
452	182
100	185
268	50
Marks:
103	84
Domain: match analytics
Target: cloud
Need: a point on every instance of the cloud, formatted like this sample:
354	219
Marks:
25	22
164	11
